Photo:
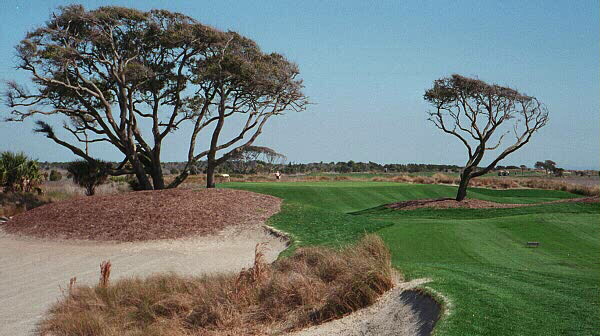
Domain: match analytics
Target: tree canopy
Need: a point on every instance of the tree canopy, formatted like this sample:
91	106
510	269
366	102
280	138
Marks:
130	78
481	115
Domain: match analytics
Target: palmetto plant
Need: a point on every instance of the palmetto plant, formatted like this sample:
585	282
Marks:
18	172
89	175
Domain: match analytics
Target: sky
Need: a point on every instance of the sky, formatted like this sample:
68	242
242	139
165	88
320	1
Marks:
366	65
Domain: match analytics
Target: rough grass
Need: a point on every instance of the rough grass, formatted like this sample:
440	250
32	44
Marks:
498	183
313	285
53	191
13	203
487	181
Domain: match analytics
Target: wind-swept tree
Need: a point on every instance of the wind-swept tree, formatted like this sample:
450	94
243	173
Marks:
481	115
240	81
548	166
242	160
130	78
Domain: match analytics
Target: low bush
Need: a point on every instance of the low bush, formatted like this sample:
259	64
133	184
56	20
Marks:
313	285
89	174
18	173
55	175
120	179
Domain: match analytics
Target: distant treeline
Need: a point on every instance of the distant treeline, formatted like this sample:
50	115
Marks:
258	166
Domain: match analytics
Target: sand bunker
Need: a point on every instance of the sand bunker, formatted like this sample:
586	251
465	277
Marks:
402	311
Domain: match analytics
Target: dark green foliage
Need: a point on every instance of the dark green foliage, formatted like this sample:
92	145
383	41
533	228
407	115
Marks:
55	175
18	172
89	175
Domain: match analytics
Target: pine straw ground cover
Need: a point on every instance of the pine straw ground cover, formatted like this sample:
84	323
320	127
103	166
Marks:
471	203
313	285
145	215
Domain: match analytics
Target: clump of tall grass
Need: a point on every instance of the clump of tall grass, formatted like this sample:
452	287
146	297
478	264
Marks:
313	285
497	183
445	179
558	185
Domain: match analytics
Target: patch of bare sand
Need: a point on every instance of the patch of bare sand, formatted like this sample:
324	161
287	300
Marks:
33	270
401	311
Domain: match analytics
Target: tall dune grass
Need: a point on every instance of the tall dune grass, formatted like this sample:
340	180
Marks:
498	183
312	286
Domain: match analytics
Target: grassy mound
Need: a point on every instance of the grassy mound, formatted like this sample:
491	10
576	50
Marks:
314	285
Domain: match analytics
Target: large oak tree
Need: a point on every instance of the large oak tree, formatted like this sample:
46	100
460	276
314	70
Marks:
130	78
481	115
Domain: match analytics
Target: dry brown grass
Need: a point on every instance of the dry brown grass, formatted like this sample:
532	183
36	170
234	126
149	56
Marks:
53	191
15	203
312	286
498	183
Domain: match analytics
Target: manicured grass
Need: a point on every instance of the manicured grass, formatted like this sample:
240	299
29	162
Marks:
476	257
479	260
371	175
348	196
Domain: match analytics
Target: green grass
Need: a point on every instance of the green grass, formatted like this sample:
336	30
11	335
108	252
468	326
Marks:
476	257
360	175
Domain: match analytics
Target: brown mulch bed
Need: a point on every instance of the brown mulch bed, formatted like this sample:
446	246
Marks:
447	203
145	215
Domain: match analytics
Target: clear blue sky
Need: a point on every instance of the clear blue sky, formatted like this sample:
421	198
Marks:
366	65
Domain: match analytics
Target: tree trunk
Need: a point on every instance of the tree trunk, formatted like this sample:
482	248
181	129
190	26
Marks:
210	175
157	175
156	170
465	177
157	179
140	174
91	190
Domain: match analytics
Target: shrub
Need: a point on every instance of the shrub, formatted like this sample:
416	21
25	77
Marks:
55	175
120	179
89	175
18	172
